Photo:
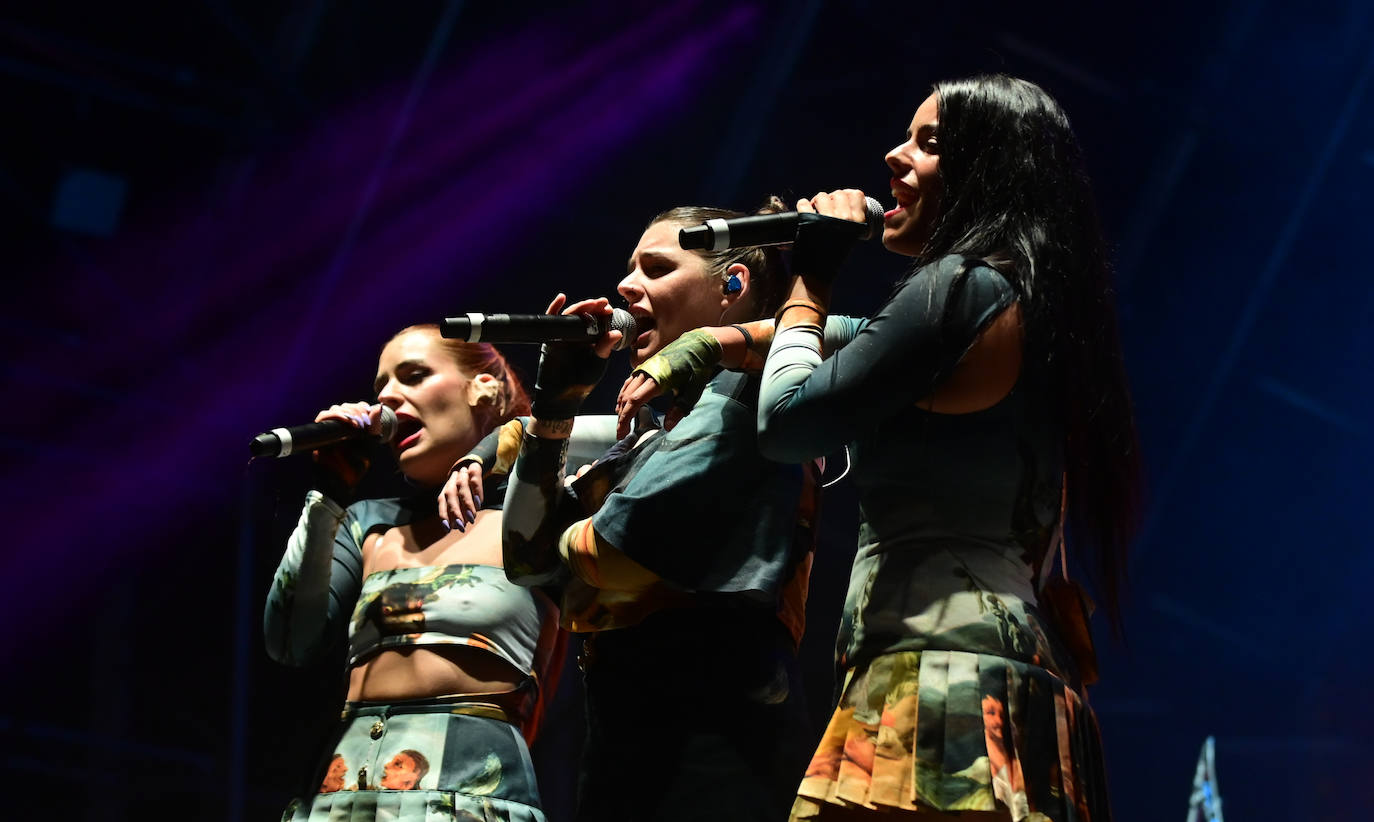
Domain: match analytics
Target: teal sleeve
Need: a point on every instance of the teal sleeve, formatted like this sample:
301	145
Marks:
703	509
841	330
316	584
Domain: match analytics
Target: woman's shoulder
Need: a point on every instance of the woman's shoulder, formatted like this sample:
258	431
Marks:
974	277
956	265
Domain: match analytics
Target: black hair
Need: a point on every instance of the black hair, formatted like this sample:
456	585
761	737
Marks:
768	280
1016	194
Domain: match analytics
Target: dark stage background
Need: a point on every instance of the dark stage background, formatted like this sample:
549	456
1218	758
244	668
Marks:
215	212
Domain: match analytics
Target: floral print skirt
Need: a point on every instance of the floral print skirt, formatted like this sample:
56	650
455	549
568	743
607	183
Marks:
954	731
425	760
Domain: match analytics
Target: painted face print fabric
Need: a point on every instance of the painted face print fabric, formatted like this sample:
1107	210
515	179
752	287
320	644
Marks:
424	761
958	731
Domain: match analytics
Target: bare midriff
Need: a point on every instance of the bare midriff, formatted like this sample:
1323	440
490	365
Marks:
422	672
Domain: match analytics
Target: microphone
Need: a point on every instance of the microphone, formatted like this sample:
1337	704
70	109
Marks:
763	229
283	442
540	328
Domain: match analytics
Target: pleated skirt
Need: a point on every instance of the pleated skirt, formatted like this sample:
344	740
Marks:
958	731
434	761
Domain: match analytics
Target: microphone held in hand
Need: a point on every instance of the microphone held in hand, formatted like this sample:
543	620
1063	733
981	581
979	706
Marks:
764	229
299	439
540	328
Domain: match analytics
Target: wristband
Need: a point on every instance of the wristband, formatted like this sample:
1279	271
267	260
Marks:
777	318
748	338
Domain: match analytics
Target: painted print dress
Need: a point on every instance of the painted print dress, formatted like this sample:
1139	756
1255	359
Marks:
427	759
441	759
956	692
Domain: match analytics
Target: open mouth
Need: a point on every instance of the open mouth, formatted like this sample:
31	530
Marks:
644	323
903	194
903	203
407	432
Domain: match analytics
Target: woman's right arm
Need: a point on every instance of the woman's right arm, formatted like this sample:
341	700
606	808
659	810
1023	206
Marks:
539	506
812	401
316	583
320	575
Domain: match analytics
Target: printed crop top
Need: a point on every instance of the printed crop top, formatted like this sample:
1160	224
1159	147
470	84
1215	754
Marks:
319	596
472	605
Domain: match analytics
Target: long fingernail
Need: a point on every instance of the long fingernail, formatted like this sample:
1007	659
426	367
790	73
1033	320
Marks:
444	523
477	501
458	523
472	517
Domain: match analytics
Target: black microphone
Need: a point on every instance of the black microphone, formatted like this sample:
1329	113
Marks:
283	442
540	328
762	229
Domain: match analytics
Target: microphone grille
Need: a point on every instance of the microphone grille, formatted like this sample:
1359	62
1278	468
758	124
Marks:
875	218
387	420
624	322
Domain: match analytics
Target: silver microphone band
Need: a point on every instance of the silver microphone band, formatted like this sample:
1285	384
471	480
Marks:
475	329
720	234
285	436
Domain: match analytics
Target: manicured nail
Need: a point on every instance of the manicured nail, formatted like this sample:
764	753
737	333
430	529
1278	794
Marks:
472	517
444	523
458	523
477	501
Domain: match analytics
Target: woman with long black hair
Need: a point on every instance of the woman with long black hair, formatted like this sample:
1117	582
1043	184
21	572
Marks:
984	407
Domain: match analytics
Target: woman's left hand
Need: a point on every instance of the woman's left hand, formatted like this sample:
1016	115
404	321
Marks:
638	390
683	367
461	496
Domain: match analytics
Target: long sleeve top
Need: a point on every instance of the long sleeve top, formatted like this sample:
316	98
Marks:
956	510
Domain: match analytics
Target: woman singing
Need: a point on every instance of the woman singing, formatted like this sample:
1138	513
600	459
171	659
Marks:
683	554
447	659
983	399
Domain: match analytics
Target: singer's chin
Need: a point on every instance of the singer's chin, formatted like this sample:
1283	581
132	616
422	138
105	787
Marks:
422	468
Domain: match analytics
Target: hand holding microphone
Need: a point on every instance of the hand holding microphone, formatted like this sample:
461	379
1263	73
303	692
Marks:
583	326
783	227
567	372
826	231
335	424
